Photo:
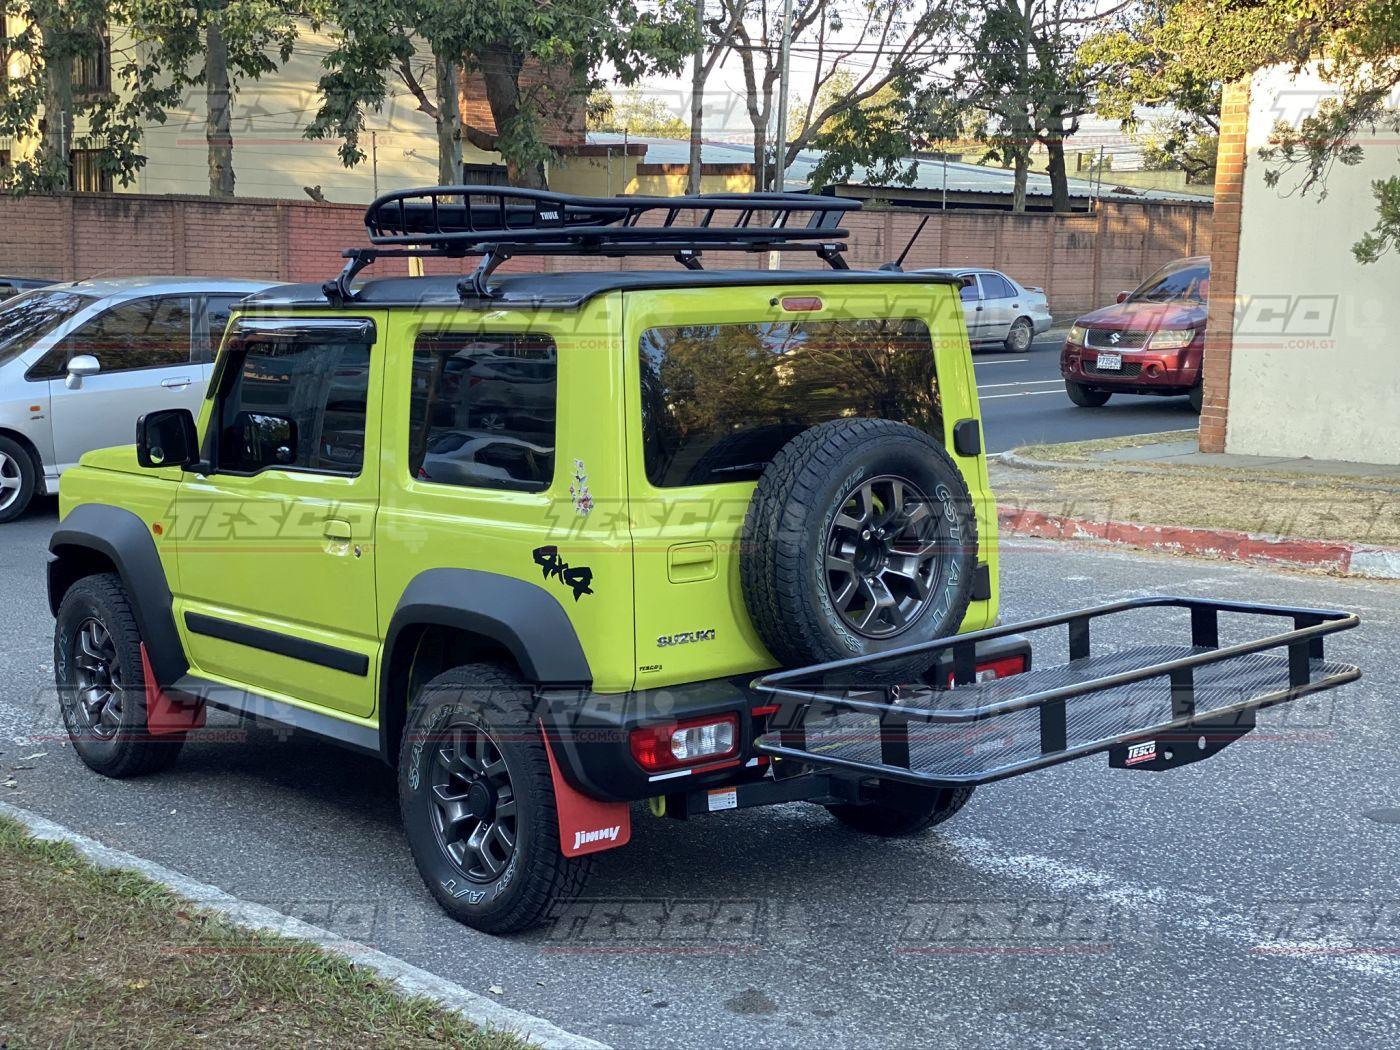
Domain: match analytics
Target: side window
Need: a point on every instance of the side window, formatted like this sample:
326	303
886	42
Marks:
482	410
968	292
293	403
145	333
217	309
995	286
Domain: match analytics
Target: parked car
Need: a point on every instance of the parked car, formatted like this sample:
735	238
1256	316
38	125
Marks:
80	361
1149	342
14	285
999	310
720	472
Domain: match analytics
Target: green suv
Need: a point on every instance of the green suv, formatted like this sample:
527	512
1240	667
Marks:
530	537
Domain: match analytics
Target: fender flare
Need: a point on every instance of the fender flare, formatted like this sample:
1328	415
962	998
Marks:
122	538
522	617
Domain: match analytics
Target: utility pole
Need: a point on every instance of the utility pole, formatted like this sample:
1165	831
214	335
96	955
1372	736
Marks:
784	70
697	99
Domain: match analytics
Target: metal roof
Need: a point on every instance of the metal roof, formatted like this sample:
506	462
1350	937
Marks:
929	177
128	287
564	290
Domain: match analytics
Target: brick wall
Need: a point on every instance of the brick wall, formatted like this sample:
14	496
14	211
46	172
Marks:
1220	315
1081	261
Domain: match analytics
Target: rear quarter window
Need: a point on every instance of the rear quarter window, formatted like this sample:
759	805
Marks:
719	401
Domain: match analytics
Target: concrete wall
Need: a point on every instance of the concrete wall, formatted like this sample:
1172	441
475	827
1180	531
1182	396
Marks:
1314	368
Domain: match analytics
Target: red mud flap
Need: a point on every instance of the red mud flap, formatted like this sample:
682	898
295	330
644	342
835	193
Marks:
585	824
167	714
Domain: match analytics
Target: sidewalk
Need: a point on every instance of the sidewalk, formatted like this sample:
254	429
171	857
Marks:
1159	492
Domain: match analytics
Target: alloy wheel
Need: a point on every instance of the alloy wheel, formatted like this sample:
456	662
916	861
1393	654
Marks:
473	802
882	565
96	701
11	481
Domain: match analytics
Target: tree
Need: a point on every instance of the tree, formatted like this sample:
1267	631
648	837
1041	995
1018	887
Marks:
213	43
633	114
496	41
1198	45
890	48
40	94
1029	81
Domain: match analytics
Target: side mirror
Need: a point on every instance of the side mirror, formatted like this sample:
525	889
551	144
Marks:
1122	297
167	438
80	366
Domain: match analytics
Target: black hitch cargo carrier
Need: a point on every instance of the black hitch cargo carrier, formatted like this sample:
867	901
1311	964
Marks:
1151	706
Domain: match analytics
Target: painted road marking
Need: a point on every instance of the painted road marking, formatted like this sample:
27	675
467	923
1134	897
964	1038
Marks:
411	979
1028	382
1023	393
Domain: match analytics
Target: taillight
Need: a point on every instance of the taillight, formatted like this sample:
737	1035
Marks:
801	302
671	745
991	670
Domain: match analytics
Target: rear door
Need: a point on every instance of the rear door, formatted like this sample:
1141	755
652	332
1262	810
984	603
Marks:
718	381
999	306
145	348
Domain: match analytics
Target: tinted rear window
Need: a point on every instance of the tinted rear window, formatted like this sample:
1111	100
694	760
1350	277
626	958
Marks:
719	401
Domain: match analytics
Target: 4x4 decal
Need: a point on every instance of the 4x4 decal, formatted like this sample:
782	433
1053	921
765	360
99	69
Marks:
576	577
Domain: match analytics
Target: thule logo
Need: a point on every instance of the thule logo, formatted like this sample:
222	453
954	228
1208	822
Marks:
549	216
582	838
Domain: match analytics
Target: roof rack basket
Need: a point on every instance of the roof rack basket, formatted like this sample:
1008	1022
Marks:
498	222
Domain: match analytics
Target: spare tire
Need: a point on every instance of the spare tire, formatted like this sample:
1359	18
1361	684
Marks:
861	537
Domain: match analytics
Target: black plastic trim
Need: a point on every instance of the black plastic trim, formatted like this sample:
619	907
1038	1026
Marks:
282	644
967	437
124	539
982	583
241	701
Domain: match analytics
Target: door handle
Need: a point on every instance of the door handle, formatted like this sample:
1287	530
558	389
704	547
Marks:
337	530
175	382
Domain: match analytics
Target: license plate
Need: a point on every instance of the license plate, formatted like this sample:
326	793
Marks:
1112	362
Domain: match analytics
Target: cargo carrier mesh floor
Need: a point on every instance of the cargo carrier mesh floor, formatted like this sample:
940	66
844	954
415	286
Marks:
980	747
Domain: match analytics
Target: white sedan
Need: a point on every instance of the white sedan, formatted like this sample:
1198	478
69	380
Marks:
999	310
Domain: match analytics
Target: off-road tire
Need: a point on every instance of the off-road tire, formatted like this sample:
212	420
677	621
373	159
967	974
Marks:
1086	396
129	751
16	466
783	571
537	878
1020	336
1196	398
889	822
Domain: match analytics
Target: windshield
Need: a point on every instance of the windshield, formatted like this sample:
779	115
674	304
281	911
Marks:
1168	285
27	318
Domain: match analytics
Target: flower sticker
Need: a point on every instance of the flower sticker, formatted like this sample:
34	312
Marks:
578	489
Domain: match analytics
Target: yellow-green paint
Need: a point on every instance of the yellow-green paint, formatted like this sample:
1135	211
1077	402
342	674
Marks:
326	558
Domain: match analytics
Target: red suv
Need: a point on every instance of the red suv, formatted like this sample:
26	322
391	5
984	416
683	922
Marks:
1149	342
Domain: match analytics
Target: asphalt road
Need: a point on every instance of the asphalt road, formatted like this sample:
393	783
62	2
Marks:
1078	906
1024	402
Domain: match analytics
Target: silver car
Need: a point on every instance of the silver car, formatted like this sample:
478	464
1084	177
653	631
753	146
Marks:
1000	310
79	362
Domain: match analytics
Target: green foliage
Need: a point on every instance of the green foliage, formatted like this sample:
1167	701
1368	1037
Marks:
376	41
634	114
1179	52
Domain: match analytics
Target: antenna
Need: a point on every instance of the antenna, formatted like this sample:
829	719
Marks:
898	265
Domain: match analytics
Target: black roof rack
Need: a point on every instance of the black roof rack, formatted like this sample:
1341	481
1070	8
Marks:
497	222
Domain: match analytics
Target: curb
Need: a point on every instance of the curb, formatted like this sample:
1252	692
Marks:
1341	559
410	979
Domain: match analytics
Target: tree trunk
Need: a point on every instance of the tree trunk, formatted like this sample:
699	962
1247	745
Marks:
57	139
1022	163
449	121
500	72
1059	181
761	167
218	94
697	100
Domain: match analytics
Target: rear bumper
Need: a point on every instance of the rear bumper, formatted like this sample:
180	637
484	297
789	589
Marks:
1144	371
589	732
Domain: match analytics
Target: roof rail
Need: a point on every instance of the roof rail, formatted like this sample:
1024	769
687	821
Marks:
497	222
